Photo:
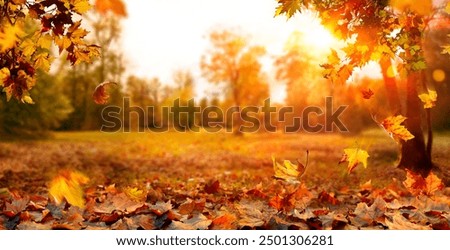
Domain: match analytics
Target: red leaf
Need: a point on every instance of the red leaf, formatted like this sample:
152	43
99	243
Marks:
100	95
367	93
212	187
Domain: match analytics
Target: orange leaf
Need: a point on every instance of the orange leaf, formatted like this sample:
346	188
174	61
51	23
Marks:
393	126
416	184
100	95
67	186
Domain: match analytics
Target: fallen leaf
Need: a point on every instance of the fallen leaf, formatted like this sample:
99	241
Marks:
15	207
368	216
212	187
354	156
101	95
224	222
393	127
68	186
399	222
417	185
135	193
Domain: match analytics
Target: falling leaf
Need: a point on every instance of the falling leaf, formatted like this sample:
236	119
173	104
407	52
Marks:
416	184
100	94
367	93
393	127
354	156
68	186
288	171
429	99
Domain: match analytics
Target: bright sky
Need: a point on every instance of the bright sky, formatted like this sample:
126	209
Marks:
161	36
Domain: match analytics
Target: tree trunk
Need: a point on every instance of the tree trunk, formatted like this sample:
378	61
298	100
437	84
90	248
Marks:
391	86
414	155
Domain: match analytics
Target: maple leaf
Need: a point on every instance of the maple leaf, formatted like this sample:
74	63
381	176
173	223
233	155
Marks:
366	215
288	171
135	193
224	222
81	6
115	6
100	95
416	184
429	99
9	36
212	187
399	222
287	7
68	186
393	127
4	75
367	93
42	61
354	156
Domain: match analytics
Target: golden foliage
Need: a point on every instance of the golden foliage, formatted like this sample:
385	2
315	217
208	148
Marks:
429	99
288	171
68	186
416	184
393	126
422	7
354	156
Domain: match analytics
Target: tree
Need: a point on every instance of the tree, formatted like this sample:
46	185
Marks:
233	62
383	32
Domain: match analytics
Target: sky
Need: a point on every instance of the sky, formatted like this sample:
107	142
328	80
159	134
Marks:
161	36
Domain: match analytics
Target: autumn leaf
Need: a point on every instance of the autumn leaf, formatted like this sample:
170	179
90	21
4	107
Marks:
81	6
135	193
429	99
367	93
115	6
288	171
212	187
393	126
9	36
100	94
399	222
4	75
417	185
68	186
354	156
287	7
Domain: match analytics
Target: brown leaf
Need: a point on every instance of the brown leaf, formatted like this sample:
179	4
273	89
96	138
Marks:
328	198
15	207
212	187
368	216
399	222
101	95
160	207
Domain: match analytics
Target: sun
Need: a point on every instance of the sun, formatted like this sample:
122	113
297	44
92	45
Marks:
316	36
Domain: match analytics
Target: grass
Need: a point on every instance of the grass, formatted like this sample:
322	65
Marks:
240	162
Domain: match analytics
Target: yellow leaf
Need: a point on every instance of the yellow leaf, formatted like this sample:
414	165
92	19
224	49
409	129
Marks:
288	171
62	42
28	47
9	36
429	100
42	61
81	6
115	6
136	194
4	74
27	99
393	126
354	156
45	41
422	7
68	186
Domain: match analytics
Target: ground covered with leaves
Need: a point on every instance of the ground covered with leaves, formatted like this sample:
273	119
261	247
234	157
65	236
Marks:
214	181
